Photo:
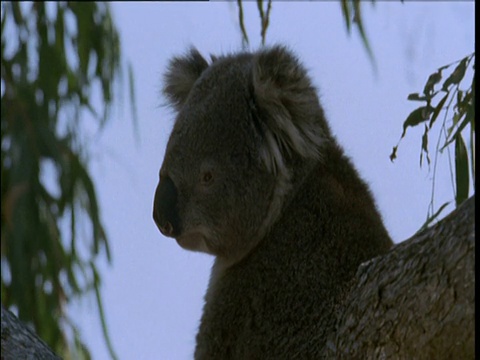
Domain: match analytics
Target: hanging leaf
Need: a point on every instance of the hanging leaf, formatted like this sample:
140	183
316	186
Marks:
416	117
393	155
457	75
433	79
461	170
472	155
459	129
433	217
424	146
346	14
437	110
416	97
358	21
131	88
241	22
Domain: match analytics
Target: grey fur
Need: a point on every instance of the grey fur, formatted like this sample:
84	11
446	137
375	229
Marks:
253	175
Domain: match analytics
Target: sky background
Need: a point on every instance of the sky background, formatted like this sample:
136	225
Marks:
153	292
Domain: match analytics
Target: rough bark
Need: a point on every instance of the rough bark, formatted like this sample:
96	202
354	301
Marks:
417	301
19	342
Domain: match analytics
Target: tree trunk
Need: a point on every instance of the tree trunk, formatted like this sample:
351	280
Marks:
417	301
19	342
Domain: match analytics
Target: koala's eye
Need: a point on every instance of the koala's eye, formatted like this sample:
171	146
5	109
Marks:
207	178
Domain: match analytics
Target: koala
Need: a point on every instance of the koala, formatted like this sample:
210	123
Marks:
253	176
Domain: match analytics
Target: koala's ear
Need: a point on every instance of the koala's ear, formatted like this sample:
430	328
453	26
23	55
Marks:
180	76
289	112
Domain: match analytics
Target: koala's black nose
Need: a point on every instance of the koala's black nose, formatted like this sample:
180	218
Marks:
165	208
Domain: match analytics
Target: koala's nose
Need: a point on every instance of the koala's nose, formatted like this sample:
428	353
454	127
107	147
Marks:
165	208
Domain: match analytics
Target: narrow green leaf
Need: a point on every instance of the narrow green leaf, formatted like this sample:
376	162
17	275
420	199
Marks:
393	155
416	97
346	14
424	146
266	22
433	79
59	33
103	321
472	155
99	237
416	117
83	14
433	217
471	116
359	23
461	170
262	17
438	108
4	21
17	12
73	231
459	97
457	132
457	74
133	102
242	23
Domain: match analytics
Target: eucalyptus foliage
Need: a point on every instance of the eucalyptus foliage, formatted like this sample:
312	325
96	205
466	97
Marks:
454	98
59	61
351	11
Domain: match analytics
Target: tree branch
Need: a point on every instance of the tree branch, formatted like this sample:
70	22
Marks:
19	342
417	301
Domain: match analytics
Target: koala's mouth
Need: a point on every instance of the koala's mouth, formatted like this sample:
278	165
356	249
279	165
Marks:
194	240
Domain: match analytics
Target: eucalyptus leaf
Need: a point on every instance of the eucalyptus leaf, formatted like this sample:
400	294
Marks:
416	97
416	117
433	79
461	170
457	75
433	217
424	146
437	110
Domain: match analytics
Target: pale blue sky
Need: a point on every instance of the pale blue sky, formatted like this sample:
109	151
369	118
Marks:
153	293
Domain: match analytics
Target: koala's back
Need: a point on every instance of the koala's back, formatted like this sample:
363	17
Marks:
281	301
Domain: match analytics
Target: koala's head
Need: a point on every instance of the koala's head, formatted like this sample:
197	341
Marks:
243	123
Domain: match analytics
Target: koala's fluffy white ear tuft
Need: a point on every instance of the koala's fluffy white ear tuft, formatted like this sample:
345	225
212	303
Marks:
290	114
180	76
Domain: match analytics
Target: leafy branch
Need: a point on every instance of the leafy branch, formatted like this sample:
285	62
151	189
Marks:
449	97
55	57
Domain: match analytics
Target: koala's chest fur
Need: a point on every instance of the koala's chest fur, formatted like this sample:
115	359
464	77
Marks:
268	316
280	302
